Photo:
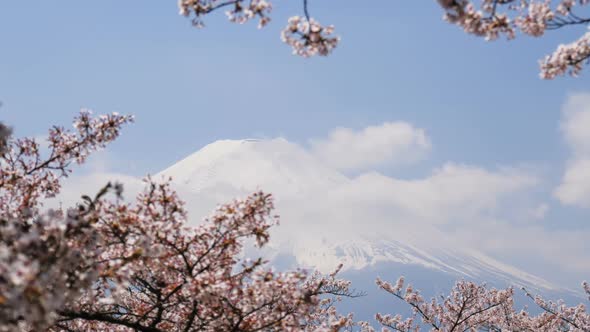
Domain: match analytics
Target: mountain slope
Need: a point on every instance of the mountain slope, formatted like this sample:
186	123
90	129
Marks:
274	165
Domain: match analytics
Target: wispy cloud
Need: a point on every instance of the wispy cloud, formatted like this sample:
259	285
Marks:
575	186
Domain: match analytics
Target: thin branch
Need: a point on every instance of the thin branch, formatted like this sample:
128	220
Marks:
305	10
100	317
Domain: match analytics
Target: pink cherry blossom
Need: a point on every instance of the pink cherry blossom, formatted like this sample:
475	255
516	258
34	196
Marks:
308	37
473	307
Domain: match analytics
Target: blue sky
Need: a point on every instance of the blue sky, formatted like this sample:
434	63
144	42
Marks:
480	103
483	102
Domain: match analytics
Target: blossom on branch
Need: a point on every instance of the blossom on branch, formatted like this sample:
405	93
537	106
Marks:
241	15
240	12
308	37
492	18
473	307
568	58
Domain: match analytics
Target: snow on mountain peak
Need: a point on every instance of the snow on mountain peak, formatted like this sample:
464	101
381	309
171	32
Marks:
273	165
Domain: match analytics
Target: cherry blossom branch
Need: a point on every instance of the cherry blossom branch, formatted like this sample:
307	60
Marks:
559	22
468	307
532	18
107	318
240	13
562	314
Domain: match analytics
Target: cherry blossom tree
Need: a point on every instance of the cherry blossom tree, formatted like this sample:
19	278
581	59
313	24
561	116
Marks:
486	18
45	258
108	265
473	307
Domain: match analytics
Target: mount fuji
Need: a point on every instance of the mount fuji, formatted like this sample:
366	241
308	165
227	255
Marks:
370	222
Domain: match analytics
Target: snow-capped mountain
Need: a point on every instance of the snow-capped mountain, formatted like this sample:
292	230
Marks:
329	218
274	165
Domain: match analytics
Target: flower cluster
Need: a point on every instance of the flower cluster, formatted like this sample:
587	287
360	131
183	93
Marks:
42	268
533	18
557	316
473	21
331	291
534	22
308	37
197	9
567	58
241	15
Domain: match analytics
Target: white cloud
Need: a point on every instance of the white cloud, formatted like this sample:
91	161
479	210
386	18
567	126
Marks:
450	192
561	255
389	143
575	186
575	124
